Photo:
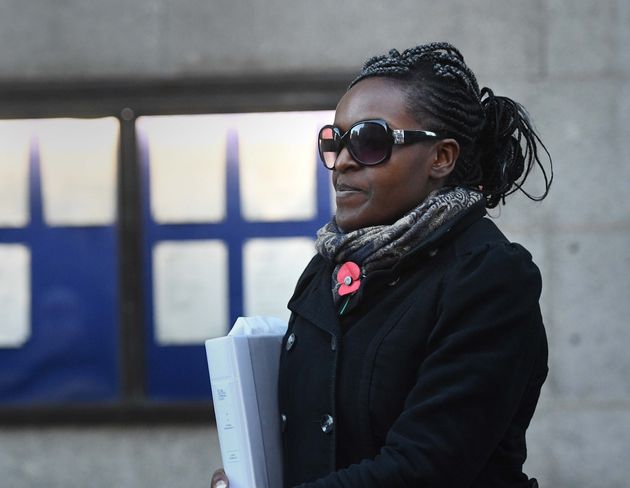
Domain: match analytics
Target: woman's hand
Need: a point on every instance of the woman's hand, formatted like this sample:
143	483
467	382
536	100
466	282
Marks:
219	479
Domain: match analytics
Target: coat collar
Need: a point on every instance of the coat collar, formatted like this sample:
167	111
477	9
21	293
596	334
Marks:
427	248
313	295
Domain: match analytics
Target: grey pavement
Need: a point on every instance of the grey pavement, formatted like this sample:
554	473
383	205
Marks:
108	456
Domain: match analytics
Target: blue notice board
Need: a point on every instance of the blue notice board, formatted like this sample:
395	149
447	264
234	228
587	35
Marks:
71	353
177	372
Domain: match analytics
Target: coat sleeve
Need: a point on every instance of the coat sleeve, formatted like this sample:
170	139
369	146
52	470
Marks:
487	343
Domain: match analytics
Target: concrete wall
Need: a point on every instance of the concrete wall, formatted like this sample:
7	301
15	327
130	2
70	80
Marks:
565	60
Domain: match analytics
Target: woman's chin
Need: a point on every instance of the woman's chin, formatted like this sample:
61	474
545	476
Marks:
345	223
349	220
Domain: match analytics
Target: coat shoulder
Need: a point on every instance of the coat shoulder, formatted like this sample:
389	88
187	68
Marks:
483	254
482	233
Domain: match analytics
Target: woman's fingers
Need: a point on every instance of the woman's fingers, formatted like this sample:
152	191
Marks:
219	479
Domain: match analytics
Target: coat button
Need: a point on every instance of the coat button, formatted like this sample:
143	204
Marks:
433	252
283	422
326	424
290	341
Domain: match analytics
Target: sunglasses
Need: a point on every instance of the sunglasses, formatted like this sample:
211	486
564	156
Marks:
369	142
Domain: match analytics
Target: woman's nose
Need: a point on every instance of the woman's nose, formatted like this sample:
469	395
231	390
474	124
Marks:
345	161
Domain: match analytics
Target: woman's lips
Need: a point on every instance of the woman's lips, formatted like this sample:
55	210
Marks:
345	189
348	196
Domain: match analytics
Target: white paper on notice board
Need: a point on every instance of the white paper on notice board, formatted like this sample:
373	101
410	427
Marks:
277	156
15	294
15	138
190	291
187	159
272	268
78	159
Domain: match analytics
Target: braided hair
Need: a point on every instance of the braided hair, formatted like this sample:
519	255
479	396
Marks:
498	144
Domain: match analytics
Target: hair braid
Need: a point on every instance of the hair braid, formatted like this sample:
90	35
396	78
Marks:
498	144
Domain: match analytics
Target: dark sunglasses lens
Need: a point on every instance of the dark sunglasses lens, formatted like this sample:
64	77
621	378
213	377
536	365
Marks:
369	143
329	146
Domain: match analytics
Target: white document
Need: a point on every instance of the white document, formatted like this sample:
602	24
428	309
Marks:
272	267
190	295
187	157
15	139
243	370
78	164
268	192
15	295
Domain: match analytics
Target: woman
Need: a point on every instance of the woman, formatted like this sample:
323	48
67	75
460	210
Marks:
416	351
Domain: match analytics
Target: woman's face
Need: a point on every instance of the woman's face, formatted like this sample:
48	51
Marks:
381	194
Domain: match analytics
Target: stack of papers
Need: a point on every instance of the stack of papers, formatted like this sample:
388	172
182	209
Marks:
243	370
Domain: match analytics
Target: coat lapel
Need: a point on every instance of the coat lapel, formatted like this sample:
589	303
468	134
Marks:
315	302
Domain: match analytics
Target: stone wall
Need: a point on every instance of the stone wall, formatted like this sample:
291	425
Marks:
566	60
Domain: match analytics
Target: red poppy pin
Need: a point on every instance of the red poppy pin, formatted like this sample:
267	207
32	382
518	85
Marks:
348	278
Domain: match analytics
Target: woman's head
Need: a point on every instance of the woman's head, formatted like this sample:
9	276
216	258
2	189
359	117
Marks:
380	194
497	144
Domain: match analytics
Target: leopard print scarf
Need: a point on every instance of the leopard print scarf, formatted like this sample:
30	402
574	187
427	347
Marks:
381	246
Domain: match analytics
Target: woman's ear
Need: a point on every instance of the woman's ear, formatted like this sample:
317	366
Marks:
446	154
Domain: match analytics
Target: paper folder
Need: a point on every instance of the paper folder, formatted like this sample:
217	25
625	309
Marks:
243	370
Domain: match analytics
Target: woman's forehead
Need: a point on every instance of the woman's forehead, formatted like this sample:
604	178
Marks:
374	98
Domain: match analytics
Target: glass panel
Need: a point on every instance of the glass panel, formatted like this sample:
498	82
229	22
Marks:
272	267
190	291
78	159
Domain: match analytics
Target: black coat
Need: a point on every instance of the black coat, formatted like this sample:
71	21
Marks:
431	376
